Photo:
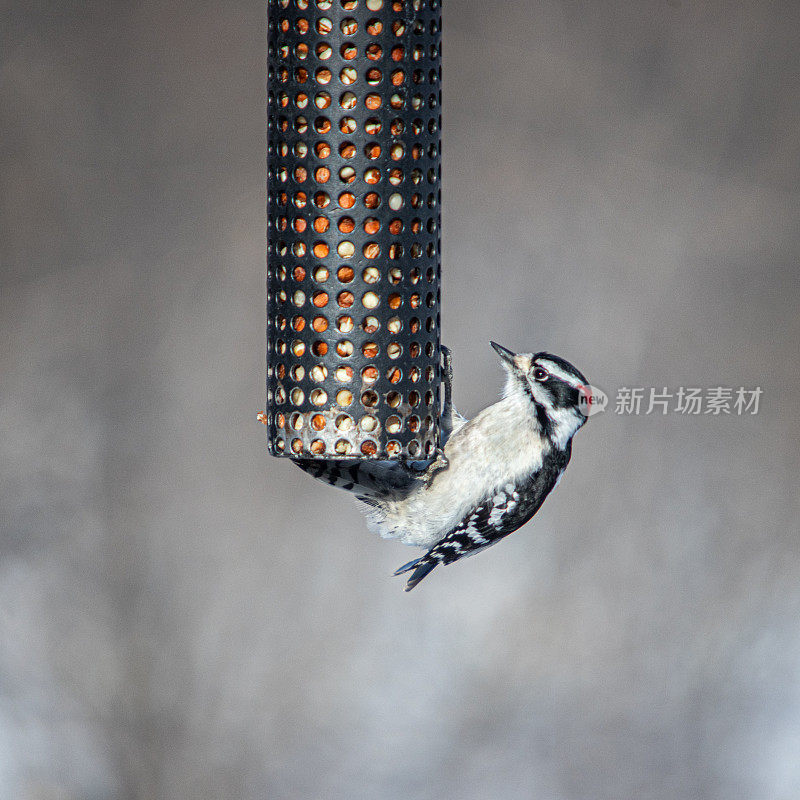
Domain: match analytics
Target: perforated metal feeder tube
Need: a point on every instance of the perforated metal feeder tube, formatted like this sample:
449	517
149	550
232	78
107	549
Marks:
353	228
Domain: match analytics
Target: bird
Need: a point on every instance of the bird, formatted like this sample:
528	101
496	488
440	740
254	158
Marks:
491	474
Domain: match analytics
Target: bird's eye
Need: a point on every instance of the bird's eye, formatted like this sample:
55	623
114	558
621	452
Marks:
540	374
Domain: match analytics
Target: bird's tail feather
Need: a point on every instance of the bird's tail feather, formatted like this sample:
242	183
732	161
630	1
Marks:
421	566
379	480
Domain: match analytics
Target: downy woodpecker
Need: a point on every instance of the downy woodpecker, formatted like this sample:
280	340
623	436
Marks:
492	474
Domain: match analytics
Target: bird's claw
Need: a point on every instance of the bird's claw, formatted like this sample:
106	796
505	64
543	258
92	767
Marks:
447	368
439	463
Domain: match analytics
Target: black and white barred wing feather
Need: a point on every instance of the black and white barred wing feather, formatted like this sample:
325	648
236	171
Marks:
503	512
494	518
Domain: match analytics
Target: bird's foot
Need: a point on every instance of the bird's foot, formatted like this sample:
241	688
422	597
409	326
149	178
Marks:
447	374
439	463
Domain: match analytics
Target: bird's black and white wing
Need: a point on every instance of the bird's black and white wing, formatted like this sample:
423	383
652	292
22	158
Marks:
497	516
504	511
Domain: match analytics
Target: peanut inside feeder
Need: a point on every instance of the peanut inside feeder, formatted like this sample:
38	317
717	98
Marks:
353	243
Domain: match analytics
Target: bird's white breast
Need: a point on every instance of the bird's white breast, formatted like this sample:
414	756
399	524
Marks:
500	446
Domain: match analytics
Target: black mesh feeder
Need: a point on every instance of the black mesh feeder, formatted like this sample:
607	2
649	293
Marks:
353	238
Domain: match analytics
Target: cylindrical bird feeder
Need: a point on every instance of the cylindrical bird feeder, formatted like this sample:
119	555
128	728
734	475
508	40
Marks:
353	265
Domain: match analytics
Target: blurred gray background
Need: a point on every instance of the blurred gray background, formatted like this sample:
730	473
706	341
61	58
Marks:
183	617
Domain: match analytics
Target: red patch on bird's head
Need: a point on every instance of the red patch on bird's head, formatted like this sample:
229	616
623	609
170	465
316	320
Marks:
591	400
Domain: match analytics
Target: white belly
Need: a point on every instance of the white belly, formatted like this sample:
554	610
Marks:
487	453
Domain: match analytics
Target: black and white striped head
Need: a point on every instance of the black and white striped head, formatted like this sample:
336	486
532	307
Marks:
559	394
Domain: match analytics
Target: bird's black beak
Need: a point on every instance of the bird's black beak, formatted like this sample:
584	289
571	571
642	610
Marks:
504	353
